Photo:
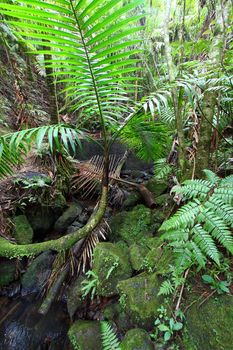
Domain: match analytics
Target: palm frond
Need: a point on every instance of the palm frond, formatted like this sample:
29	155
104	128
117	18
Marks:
149	139
90	173
14	146
89	45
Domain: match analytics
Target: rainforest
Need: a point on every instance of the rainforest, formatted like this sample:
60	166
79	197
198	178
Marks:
116	174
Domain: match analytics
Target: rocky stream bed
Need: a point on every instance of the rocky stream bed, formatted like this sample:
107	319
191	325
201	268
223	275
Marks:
129	265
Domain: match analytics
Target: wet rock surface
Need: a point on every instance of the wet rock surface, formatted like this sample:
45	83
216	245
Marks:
22	328
34	279
68	217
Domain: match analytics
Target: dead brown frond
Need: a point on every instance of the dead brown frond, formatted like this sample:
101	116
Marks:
81	260
90	173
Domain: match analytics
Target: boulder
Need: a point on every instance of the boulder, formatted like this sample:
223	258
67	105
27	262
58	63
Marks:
137	256
141	299
111	265
137	339
7	271
158	258
85	335
132	226
37	273
208	327
114	313
42	216
23	232
68	217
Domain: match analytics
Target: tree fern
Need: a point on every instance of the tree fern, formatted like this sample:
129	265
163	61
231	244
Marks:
89	51
198	228
109	338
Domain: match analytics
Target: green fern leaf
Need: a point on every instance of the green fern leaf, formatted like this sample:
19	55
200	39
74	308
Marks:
109	338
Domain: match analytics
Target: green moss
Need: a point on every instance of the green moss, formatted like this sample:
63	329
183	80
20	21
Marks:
111	264
137	255
132	226
7	271
114	313
141	298
209	326
85	335
23	232
137	339
158	258
156	187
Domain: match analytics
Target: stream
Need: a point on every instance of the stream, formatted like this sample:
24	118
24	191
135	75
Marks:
23	328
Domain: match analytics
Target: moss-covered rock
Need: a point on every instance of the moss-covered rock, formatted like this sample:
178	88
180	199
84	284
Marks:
137	339
111	265
131	201
69	215
23	232
114	313
37	273
156	187
7	271
85	335
137	256
132	226
158	258
208	327
140	298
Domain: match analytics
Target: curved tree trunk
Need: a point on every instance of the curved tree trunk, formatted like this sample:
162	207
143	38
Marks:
11	250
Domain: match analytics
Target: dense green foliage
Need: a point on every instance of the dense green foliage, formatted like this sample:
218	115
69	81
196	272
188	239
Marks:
204	222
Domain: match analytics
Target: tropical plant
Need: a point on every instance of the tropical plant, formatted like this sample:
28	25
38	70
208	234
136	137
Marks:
109	338
202	224
90	284
88	52
216	285
167	326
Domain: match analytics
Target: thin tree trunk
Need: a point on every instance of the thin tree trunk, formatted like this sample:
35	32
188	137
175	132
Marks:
54	118
176	96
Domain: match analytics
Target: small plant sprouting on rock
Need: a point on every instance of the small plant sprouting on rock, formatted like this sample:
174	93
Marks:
166	326
90	284
216	285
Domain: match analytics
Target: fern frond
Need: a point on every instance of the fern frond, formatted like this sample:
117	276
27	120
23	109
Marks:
196	229
166	288
109	338
211	177
205	242
193	188
224	211
183	218
217	228
149	139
